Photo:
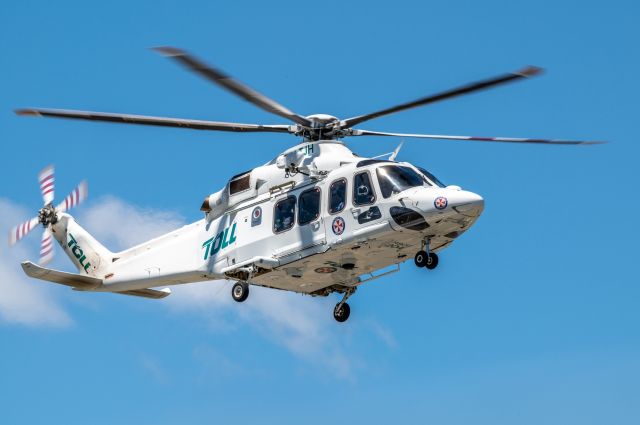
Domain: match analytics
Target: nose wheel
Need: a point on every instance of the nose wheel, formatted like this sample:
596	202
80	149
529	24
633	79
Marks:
240	291
428	260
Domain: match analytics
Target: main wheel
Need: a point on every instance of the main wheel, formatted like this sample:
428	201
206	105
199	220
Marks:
421	259
341	314
432	261
240	291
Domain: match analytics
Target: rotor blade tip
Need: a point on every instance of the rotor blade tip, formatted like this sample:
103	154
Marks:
168	51
530	71
28	112
48	169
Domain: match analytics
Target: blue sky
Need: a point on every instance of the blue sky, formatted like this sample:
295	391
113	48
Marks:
532	316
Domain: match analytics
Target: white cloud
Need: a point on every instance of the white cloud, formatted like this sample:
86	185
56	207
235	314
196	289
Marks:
153	368
119	225
383	333
303	325
22	300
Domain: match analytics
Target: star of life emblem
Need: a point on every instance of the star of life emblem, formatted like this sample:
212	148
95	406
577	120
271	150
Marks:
440	202
338	225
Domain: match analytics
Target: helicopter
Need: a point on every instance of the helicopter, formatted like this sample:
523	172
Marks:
317	219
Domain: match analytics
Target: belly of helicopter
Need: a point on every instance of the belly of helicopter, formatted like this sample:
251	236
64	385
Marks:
349	262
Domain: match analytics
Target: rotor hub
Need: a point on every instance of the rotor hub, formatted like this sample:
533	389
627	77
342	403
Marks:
321	120
323	126
47	215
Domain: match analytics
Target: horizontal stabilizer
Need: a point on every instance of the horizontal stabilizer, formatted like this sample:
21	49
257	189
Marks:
147	293
70	279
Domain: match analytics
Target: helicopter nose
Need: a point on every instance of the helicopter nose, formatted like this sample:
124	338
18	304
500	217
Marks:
471	199
468	202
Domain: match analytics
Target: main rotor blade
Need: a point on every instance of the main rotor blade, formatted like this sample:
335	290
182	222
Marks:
476	138
469	88
227	82
157	121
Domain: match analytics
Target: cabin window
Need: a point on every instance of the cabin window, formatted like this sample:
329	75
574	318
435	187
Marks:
308	206
395	179
363	193
284	215
239	184
337	196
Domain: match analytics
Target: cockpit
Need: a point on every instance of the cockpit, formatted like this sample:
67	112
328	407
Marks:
394	179
430	178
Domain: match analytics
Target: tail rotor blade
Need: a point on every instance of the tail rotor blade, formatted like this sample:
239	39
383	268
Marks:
47	184
20	231
46	247
76	197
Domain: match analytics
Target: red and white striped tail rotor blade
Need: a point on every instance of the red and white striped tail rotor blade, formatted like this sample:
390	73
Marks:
47	184
46	247
22	230
76	197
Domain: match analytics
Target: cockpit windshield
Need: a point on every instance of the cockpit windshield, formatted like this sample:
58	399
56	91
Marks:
395	179
431	177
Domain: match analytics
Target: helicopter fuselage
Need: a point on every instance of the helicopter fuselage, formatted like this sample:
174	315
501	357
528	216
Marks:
287	230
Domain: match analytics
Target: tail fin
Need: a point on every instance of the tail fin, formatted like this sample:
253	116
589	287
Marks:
88	255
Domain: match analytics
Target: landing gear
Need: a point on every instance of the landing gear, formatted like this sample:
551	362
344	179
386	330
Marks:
428	260
240	291
421	258
432	261
342	310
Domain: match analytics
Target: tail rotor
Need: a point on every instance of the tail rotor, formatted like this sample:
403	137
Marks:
76	197
46	247
48	214
21	230
47	184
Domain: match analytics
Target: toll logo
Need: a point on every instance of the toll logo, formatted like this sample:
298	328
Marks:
219	242
78	253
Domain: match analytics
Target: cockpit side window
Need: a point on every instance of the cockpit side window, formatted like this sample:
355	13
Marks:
308	206
395	179
284	214
431	177
337	196
363	193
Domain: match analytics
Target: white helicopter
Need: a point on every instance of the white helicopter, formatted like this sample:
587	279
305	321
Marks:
317	219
